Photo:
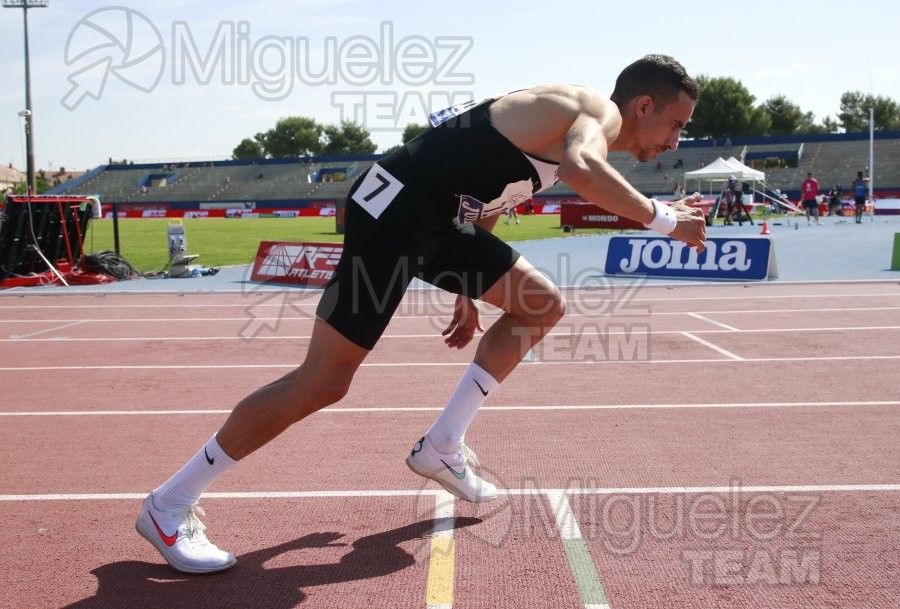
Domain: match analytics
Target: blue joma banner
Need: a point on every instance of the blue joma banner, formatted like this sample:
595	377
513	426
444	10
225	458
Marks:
750	258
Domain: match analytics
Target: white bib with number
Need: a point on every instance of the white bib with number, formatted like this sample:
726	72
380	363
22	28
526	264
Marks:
377	191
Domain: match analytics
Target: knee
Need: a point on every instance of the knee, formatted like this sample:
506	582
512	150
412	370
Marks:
332	389
546	310
557	308
316	389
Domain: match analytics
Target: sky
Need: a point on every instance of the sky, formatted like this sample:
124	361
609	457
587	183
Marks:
188	80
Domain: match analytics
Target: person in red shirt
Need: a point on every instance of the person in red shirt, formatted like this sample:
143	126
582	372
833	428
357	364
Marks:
810	190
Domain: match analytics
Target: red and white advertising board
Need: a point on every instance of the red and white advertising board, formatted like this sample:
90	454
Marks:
307	264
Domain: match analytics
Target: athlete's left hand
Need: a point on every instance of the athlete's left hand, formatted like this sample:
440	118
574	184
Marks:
690	225
461	329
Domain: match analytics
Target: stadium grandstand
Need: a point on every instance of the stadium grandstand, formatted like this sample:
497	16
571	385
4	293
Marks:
314	185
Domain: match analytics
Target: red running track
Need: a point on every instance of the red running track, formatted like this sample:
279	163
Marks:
691	447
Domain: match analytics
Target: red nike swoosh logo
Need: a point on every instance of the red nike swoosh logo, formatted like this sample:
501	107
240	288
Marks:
169	540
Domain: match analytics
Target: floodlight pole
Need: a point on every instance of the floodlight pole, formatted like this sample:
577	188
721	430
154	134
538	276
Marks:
871	171
28	115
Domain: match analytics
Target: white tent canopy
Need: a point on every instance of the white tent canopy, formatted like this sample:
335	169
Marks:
721	170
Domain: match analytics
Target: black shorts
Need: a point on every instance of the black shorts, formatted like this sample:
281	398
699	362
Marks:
860	201
413	237
812	204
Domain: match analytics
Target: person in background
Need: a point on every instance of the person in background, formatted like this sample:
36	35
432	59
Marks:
860	184
512	212
728	197
834	202
810	190
745	188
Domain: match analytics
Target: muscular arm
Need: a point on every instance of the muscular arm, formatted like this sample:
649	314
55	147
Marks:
488	223
584	167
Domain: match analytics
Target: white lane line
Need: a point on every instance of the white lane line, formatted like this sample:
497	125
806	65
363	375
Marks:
446	313
735	358
767	311
716	348
444	515
268	300
581	563
335	494
686	490
673	298
606	332
713	322
377	409
17	337
566	523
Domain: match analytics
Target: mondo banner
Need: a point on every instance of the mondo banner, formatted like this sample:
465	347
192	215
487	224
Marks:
747	259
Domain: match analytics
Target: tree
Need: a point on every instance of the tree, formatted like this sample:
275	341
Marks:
786	117
830	125
247	150
411	131
854	114
300	136
725	108
41	184
347	138
293	136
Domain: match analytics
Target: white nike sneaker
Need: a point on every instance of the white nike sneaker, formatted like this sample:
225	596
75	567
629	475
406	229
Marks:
186	548
451	470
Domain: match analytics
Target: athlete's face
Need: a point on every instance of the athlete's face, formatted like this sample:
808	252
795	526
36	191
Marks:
658	129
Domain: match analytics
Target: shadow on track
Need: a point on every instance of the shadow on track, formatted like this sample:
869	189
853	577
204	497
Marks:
138	585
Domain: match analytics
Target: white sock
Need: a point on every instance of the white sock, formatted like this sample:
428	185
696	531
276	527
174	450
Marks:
188	483
449	430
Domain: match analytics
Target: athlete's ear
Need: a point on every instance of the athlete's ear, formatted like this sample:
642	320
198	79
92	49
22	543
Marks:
643	105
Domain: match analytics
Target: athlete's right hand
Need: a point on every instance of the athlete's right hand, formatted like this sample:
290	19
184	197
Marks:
690	224
465	321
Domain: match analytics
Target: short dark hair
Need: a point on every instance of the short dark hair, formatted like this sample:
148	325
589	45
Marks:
659	76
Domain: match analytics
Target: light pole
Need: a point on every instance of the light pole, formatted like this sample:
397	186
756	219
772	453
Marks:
27	114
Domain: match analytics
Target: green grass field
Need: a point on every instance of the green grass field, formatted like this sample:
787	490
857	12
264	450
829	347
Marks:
230	241
222	241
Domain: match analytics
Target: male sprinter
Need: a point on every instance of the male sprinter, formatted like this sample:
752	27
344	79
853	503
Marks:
426	211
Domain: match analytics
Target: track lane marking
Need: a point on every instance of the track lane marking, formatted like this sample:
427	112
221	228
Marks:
581	564
716	348
20	337
447	312
442	556
333	494
713	322
609	332
316	294
838	358
375	409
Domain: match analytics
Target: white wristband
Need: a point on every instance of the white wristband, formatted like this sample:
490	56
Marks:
664	220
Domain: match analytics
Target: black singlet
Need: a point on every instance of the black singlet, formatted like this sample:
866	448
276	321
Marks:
410	215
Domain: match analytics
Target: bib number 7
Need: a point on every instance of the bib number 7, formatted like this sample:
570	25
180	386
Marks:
377	190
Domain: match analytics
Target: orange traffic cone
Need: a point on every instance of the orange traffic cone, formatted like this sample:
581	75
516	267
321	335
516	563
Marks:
765	229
